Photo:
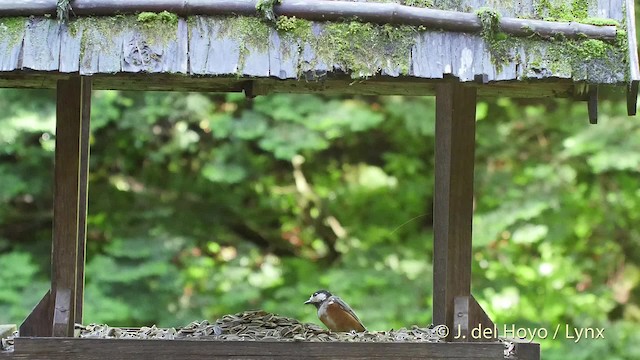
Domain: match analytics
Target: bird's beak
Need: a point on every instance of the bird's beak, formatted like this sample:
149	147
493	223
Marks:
307	302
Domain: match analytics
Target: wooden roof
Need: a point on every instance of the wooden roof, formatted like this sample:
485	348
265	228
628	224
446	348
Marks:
233	53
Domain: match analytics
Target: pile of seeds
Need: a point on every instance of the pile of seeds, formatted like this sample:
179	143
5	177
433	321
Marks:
258	326
6	344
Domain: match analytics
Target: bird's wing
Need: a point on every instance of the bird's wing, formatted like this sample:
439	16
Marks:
347	308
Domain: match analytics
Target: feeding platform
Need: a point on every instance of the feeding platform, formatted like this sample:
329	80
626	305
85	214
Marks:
259	334
456	50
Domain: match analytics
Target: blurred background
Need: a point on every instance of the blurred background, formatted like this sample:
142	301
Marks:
202	205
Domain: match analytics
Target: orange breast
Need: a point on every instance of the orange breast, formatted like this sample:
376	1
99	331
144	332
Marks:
337	319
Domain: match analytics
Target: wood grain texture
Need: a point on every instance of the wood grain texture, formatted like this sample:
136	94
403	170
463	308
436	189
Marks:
469	315
41	49
559	88
634	68
208	46
11	42
63	311
100	349
334	10
70	49
284	56
85	134
101	52
66	204
453	201
527	351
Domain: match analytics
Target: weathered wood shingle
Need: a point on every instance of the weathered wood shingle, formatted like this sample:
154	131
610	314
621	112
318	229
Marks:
214	47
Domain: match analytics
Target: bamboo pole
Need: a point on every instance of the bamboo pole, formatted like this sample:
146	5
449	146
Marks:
317	10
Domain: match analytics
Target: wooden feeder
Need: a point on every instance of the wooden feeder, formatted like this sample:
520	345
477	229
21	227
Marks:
457	52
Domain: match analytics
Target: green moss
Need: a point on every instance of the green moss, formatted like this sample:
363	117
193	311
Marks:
265	8
99	33
301	28
573	58
419	3
621	38
252	34
559	55
95	31
592	49
600	21
155	19
563	10
497	41
362	49
580	9
158	28
365	49
12	28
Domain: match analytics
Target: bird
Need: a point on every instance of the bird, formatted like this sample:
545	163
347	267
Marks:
335	313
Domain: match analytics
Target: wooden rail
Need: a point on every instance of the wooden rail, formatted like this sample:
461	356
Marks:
100	349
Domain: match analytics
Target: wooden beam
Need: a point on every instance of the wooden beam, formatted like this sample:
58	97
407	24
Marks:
453	202
99	349
66	206
526	350
558	88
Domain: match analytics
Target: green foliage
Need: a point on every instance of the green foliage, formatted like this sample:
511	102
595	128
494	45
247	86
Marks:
203	205
21	286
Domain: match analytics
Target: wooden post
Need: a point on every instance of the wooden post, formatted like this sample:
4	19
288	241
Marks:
61	307
453	202
69	199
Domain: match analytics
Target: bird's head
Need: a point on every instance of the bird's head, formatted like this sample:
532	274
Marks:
318	297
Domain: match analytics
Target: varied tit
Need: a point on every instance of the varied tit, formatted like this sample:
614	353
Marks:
335	313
